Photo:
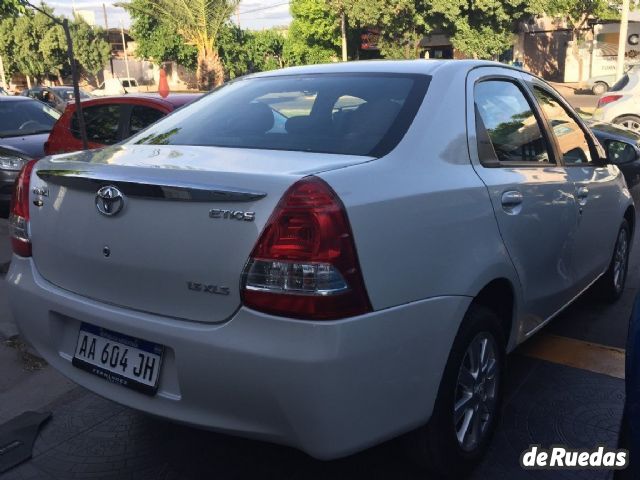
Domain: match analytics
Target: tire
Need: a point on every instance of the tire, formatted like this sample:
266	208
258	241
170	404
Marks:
436	446
599	88
611	284
632	122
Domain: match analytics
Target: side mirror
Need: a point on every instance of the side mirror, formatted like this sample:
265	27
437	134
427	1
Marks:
620	152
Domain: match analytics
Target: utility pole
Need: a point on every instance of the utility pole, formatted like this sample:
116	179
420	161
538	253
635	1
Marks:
3	79
343	28
76	86
106	29
124	46
622	41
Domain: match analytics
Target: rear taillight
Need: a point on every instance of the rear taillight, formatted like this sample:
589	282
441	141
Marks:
19	213
305	263
608	99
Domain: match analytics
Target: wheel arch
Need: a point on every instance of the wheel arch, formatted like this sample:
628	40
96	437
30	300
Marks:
618	117
630	217
499	296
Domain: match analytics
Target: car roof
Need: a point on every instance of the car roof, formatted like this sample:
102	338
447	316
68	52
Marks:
173	99
424	67
16	98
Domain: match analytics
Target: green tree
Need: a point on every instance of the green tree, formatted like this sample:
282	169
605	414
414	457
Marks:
8	45
232	48
402	23
199	23
266	50
40	46
314	35
156	40
577	12
10	8
91	50
244	51
482	29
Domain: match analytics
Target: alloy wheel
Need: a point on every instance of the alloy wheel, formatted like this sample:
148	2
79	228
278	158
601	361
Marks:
620	259
476	395
631	124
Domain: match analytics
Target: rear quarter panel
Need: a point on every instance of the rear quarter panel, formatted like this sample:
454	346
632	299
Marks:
422	219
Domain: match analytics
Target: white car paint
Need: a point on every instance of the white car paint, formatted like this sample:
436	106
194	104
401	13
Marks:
430	231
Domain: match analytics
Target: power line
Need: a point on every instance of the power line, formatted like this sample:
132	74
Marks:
264	8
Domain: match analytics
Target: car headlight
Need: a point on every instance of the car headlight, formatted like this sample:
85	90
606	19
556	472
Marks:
9	162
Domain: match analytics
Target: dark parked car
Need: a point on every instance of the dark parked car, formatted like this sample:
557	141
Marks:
630	428
623	149
111	119
57	97
24	127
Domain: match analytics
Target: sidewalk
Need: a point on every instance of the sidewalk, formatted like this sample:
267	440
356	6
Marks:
26	381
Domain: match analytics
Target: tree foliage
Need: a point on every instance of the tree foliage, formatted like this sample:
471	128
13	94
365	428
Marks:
314	33
33	44
156	40
244	51
577	12
90	48
10	8
485	28
199	23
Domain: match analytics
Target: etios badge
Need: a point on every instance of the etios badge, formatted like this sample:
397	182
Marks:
109	201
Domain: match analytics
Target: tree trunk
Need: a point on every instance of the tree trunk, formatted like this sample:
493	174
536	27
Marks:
28	82
210	70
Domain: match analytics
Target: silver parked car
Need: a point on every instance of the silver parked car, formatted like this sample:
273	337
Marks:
324	257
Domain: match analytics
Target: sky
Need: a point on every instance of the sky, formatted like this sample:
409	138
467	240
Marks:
253	14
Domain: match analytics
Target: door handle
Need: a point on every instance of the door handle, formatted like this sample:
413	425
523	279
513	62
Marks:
581	194
512	202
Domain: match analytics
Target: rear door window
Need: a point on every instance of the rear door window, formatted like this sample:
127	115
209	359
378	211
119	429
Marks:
354	114
571	139
102	123
142	117
508	131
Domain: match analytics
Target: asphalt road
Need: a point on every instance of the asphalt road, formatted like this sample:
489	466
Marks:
585	101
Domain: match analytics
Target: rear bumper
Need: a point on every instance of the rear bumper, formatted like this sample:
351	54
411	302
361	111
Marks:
328	388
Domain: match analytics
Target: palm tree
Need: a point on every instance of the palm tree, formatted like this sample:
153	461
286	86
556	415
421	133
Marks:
198	22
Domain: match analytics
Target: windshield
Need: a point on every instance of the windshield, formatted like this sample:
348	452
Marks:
352	114
67	94
28	117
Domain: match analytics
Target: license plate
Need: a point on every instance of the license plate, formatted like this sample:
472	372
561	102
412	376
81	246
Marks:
118	358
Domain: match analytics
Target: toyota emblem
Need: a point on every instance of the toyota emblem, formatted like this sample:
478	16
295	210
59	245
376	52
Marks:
109	201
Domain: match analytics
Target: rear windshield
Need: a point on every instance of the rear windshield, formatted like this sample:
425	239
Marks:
620	84
353	114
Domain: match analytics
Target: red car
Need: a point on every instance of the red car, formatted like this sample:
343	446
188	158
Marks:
110	120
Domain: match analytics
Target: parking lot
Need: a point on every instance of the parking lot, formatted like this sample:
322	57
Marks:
563	387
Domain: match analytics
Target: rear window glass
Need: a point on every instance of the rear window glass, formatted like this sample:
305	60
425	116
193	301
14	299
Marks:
353	114
620	84
142	117
102	123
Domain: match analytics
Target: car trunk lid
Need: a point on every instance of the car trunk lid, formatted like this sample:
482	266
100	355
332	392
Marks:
189	220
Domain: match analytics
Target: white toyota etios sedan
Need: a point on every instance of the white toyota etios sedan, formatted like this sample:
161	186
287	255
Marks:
324	257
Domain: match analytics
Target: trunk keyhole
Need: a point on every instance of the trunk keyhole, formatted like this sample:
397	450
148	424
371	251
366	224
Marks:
106	251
